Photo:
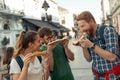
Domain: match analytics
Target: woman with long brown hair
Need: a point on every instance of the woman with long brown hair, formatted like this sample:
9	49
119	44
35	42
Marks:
8	55
27	43
6	61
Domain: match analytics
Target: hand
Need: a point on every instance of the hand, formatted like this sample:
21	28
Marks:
76	43
81	36
65	42
27	59
85	43
53	44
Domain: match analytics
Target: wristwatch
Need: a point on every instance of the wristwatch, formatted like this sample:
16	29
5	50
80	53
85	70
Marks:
93	46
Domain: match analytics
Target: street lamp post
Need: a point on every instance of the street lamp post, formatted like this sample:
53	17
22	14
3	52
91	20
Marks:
45	6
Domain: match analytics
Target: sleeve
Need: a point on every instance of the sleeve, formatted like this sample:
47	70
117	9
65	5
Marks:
111	40
43	48
14	67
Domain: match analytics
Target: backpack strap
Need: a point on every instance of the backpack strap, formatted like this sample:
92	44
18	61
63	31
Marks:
101	32
40	59
20	61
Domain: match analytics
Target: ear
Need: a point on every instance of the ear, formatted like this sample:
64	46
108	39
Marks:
30	44
91	21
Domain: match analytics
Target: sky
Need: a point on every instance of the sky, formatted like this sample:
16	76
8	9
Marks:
77	6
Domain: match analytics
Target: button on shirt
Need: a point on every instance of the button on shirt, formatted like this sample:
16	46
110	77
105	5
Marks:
111	44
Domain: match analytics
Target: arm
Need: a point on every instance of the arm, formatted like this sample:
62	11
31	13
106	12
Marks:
87	55
105	54
50	59
24	73
111	44
85	43
51	46
46	67
68	52
49	55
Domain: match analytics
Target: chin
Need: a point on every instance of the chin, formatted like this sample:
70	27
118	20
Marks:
89	34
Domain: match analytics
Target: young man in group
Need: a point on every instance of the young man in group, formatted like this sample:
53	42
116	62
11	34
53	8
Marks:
59	58
104	55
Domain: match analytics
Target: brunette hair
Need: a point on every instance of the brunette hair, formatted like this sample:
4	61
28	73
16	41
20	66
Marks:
8	55
23	40
86	15
44	31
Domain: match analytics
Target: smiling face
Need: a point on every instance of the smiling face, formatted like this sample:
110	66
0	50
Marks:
28	41
46	35
86	23
86	27
48	38
36	43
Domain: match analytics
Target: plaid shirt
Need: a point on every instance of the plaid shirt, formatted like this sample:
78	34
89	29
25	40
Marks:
111	44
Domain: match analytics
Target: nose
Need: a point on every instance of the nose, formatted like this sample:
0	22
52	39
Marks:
84	30
41	42
50	40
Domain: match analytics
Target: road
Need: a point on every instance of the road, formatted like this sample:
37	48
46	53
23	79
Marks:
80	67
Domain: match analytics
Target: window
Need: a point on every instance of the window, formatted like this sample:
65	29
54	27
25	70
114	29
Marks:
6	27
63	20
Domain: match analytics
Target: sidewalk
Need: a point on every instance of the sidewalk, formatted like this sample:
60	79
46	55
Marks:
80	67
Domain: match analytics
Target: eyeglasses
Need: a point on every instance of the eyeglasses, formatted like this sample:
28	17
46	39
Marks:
49	37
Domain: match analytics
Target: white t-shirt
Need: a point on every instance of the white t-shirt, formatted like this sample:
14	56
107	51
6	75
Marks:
35	70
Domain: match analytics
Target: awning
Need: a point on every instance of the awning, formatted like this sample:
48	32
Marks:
51	25
61	27
33	24
40	23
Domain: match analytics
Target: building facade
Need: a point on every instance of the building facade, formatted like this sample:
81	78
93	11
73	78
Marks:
105	12
10	23
14	16
67	18
111	13
115	13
